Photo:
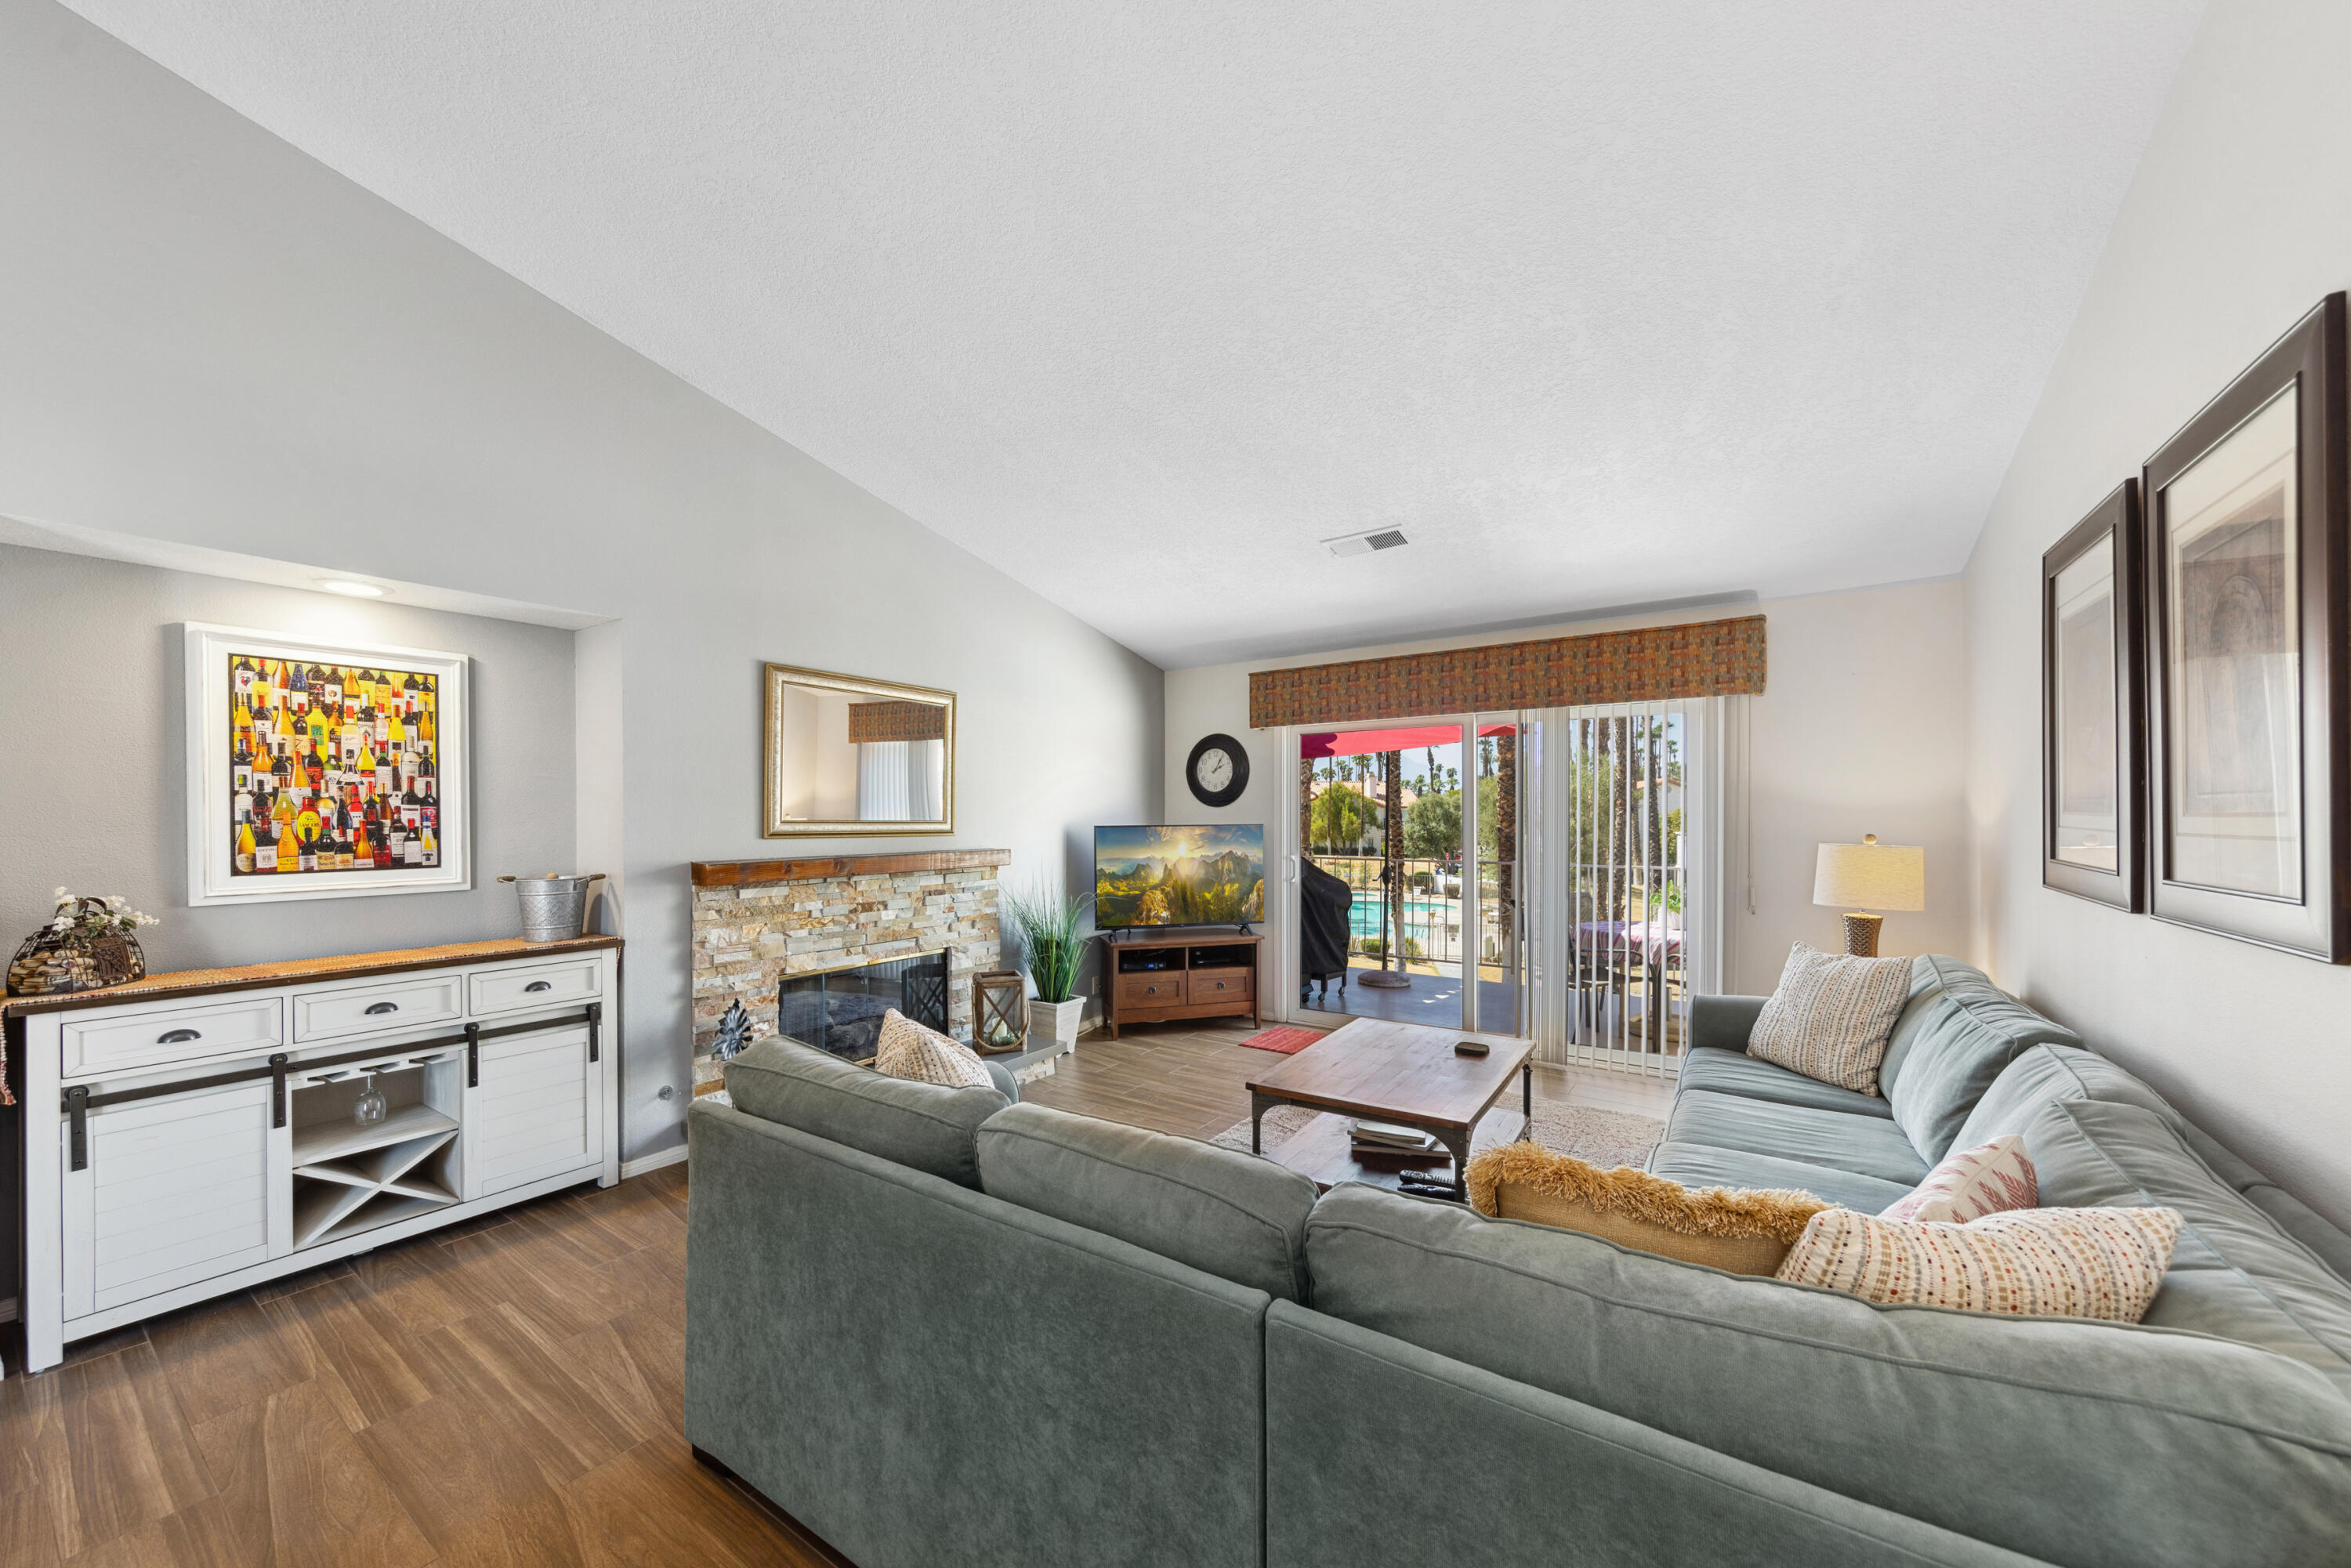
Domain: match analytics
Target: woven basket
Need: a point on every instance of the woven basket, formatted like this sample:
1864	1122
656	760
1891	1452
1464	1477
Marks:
52	963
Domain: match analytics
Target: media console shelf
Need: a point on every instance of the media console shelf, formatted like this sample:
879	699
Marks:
186	1135
1158	978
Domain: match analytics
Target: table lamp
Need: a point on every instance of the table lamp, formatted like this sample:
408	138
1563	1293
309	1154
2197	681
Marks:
1868	876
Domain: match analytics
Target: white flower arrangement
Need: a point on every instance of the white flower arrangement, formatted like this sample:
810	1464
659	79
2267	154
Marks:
95	915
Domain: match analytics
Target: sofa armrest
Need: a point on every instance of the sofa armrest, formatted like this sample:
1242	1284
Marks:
849	1319
1006	1084
1724	1022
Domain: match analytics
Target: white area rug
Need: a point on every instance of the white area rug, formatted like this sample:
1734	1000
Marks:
1605	1138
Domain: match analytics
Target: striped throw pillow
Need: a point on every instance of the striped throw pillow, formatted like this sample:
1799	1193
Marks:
1832	1016
2029	1262
908	1050
1973	1183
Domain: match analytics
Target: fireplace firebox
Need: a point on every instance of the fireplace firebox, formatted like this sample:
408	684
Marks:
840	1011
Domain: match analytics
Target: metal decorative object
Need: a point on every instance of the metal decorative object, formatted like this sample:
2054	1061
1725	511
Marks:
554	906
90	943
734	1033
1000	1012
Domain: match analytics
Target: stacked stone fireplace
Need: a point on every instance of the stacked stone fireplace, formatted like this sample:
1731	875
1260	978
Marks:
755	922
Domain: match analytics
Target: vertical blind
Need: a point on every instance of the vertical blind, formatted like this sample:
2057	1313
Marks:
1626	914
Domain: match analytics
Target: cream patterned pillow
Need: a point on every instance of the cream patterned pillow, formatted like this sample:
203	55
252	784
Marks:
2031	1262
1832	1016
1973	1183
908	1050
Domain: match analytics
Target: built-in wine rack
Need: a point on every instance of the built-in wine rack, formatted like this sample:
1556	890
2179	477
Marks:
350	1177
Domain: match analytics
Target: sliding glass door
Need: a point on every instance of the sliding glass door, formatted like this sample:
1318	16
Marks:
1406	881
1627	818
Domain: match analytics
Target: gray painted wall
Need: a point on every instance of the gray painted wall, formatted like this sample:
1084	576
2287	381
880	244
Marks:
2238	222
210	337
93	771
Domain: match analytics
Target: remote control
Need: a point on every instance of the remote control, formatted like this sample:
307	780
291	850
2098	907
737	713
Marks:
1471	1047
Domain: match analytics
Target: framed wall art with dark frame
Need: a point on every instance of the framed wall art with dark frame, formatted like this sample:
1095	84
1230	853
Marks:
2248	777
2092	707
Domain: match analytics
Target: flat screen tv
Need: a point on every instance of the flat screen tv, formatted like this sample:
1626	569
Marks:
1178	876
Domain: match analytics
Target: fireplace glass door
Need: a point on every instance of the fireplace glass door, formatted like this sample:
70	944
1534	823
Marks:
840	1011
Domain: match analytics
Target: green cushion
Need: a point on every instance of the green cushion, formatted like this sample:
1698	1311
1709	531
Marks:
925	1125
922	1374
1931	975
1527	1478
1966	1037
2075	1442
1695	1164
1228	1214
2226	1162
1728	1072
2234	1273
1723	1023
1867	1146
2328	1244
2047	1073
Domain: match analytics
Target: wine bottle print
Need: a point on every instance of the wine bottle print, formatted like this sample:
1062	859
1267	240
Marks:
332	768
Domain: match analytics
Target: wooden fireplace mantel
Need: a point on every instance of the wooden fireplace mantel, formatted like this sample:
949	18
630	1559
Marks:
819	868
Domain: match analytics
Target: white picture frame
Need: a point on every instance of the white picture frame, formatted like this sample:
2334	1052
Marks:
213	877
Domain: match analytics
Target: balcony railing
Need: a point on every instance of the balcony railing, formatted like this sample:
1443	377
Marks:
1431	928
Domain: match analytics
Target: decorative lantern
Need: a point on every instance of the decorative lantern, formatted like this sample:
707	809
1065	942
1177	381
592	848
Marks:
1000	1012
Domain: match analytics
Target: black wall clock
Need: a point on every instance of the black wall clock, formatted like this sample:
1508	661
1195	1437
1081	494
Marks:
1218	771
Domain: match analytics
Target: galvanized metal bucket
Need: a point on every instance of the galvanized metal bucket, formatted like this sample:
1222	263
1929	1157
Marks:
554	906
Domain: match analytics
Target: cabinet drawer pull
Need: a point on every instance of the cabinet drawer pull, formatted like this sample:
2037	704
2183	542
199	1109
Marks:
540	985
380	1007
177	1037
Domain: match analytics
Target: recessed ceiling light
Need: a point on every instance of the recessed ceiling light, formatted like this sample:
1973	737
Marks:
350	589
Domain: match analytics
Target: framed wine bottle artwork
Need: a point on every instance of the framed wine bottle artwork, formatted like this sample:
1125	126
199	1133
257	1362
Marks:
323	771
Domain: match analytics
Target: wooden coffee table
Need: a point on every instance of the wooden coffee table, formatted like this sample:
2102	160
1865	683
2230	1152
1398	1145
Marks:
1380	1071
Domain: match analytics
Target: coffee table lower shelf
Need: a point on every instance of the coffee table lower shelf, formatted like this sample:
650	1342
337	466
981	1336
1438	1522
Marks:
1323	1151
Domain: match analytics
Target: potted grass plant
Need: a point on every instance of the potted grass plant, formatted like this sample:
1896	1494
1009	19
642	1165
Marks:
1051	927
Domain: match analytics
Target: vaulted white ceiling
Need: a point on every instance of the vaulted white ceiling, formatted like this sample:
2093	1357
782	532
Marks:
1601	303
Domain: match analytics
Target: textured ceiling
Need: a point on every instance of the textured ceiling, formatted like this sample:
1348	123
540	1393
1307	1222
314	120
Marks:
1603	303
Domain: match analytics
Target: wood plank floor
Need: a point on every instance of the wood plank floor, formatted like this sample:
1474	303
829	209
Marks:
1190	1078
506	1393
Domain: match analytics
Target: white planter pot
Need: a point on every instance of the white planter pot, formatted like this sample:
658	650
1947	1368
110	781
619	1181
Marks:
1055	1023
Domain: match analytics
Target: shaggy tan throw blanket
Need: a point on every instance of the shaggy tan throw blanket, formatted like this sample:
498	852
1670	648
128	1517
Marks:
1717	1211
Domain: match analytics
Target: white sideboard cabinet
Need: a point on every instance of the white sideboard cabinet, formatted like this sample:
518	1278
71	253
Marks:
189	1135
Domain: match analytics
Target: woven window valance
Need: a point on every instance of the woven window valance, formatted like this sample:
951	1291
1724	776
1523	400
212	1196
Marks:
896	721
1698	659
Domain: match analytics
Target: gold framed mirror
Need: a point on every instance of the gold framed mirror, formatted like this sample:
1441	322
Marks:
845	758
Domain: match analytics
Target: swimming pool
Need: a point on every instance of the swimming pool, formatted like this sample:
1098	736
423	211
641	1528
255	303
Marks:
1420	915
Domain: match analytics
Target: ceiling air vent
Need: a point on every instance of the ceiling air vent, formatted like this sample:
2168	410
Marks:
1364	544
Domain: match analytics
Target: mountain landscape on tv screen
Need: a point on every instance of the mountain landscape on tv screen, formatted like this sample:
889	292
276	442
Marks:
1188	878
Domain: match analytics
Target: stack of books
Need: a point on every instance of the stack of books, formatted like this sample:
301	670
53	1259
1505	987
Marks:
1395	1142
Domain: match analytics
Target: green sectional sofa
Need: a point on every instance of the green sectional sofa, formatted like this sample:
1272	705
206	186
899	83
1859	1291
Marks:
939	1328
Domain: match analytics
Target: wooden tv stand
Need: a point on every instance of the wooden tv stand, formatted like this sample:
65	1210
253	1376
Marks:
1155	979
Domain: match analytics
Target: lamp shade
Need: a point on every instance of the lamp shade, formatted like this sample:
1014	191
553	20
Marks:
1871	875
